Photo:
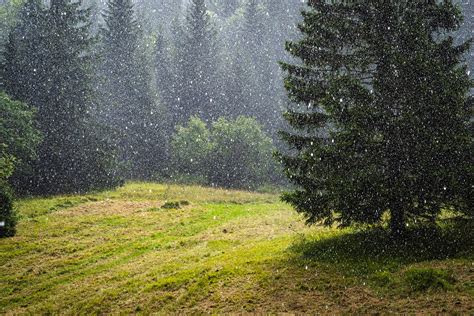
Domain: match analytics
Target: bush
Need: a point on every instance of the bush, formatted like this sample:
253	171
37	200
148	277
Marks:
18	140
234	154
171	206
191	148
423	279
18	137
7	215
242	155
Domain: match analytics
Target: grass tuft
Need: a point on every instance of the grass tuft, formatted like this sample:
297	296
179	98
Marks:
424	279
171	206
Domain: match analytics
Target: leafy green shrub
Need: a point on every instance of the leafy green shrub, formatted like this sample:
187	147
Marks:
18	137
242	154
7	214
18	140
7	164
232	153
191	148
423	279
171	206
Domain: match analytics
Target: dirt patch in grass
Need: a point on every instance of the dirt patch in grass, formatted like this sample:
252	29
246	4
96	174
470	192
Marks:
110	207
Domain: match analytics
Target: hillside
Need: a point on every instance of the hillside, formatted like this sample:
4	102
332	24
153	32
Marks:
126	251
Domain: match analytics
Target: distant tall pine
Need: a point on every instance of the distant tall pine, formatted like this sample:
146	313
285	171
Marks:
20	68
381	118
196	56
48	65
165	77
129	105
247	81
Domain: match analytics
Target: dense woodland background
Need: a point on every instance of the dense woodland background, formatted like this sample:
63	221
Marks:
150	67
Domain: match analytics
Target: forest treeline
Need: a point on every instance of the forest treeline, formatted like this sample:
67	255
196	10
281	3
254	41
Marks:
108	90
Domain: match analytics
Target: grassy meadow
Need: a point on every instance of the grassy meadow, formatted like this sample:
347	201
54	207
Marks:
186	249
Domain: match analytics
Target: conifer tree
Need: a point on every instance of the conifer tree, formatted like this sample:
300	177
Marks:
254	42
20	70
240	91
466	32
130	107
165	77
196	55
51	72
247	78
224	8
260	86
381	118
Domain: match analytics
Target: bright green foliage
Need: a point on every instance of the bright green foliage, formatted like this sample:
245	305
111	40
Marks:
381	118
48	66
7	214
18	141
242	155
191	148
18	137
7	164
233	153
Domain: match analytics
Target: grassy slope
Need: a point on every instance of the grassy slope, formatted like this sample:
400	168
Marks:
227	251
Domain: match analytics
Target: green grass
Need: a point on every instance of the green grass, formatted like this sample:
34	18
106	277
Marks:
220	251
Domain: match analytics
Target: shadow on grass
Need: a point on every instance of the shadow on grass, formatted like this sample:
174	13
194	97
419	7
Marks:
376	249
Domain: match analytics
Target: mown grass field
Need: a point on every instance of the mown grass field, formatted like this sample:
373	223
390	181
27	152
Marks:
221	251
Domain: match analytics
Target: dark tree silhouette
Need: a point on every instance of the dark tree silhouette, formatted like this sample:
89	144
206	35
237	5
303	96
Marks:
48	66
197	51
129	106
381	121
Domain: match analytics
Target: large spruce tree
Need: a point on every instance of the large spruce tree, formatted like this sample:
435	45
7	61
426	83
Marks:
128	103
48	66
380	121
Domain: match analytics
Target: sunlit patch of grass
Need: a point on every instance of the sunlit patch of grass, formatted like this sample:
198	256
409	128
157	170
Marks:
142	191
221	252
34	207
122	252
